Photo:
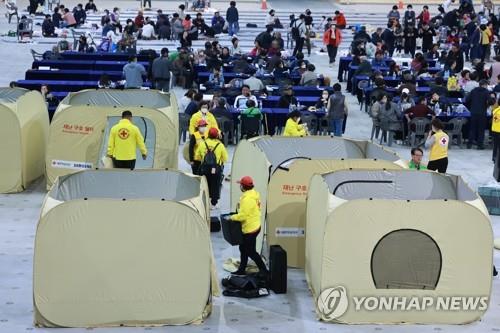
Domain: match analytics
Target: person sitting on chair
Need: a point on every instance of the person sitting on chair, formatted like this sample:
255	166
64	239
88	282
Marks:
292	126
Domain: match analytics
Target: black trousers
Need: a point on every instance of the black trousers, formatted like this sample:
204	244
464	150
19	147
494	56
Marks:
332	52
130	164
214	183
247	250
147	1
496	144
438	165
299	45
477	126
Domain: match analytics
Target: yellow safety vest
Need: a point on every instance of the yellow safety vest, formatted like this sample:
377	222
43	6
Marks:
292	128
495	122
193	122
248	212
220	152
198	137
440	147
124	138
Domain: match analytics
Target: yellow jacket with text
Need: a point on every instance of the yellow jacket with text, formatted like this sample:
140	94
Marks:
292	128
193	122
248	212
124	138
220	151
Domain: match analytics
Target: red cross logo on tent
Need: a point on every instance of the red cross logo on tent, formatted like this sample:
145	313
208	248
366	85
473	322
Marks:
123	133
443	141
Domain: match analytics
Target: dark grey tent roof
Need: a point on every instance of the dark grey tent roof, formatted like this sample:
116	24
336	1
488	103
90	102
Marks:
115	184
282	149
130	97
10	95
397	184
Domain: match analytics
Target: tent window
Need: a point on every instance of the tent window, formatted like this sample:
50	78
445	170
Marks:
406	259
148	130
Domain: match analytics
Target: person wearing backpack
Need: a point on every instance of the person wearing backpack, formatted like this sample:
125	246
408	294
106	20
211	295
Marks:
299	33
212	155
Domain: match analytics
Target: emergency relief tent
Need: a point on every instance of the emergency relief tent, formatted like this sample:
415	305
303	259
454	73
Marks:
260	157
119	247
397	237
24	128
286	202
80	128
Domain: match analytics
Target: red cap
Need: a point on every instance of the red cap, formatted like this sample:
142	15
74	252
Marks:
246	181
202	122
213	133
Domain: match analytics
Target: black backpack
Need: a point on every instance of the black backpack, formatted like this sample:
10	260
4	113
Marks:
209	165
295	29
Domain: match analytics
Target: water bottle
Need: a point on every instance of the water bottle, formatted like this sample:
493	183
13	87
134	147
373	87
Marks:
290	107
446	75
394	75
298	105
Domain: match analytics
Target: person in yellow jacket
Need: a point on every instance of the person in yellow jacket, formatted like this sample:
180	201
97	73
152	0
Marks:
437	141
197	138
124	138
212	165
203	113
292	126
249	213
495	129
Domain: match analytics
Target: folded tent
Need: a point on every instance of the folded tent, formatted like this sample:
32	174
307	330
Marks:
260	157
286	203
80	128
24	127
397	233
121	247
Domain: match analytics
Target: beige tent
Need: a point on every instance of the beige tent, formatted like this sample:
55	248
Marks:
24	127
286	202
120	247
398	234
260	157
80	129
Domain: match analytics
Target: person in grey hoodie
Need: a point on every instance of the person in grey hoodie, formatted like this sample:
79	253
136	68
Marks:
177	28
232	18
133	73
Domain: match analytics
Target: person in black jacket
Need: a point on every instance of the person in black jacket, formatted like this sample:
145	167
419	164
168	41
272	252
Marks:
427	34
232	18
478	102
389	38
56	18
455	56
48	29
90	6
79	14
264	39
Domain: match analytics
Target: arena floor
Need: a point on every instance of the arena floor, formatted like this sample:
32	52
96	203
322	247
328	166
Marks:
290	313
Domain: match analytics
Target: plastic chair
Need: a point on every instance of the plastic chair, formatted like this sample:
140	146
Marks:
311	121
36	56
421	126
456	125
387	133
183	126
24	26
226	126
249	127
323	126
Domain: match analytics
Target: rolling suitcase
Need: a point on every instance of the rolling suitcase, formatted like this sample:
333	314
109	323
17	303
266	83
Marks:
214	224
278	269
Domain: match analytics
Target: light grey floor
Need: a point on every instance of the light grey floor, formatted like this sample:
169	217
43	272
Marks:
290	313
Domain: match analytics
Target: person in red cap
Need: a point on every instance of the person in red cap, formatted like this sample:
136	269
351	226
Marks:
195	139
212	155
249	216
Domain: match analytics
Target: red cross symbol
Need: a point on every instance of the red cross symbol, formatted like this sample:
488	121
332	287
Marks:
443	141
495	119
123	133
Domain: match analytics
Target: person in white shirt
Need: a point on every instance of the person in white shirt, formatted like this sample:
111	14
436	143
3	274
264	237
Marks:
241	101
254	83
148	31
446	5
